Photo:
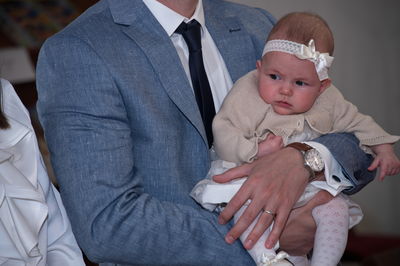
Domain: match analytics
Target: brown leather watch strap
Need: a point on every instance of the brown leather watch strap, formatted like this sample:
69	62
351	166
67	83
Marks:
300	146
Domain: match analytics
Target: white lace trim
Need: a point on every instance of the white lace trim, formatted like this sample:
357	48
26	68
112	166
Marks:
322	61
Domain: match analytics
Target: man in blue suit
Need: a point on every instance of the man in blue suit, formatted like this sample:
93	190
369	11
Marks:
128	144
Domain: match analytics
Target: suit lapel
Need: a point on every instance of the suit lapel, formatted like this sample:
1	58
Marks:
148	34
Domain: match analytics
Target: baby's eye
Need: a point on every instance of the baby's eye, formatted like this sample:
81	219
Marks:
300	83
274	76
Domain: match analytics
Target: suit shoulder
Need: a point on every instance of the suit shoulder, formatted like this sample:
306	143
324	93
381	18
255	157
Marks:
244	12
256	21
90	22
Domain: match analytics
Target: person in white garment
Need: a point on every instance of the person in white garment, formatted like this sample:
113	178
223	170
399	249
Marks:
288	100
34	227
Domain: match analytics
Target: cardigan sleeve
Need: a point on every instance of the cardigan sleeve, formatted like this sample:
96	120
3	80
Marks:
348	119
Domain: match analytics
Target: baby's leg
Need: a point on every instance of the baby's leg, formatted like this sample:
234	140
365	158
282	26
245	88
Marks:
260	254
332	220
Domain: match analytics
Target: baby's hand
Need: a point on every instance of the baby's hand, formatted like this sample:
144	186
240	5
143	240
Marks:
271	144
386	160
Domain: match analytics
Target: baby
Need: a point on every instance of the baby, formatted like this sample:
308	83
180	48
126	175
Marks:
289	99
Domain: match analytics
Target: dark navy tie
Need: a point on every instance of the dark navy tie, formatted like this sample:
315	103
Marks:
192	35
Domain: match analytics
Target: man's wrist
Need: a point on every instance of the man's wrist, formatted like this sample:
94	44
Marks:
312	160
298	159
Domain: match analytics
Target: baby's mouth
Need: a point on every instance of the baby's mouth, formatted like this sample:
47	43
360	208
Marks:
283	104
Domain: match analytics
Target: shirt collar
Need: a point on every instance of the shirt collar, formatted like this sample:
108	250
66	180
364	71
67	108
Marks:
169	19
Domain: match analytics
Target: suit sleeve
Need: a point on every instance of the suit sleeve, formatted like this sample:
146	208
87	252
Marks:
346	150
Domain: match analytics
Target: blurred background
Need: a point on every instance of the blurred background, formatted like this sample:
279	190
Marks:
367	37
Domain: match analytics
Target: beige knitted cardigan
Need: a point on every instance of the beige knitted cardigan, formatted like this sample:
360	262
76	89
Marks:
245	119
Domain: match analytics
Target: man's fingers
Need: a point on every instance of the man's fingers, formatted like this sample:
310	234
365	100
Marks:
233	173
245	221
264	220
240	198
279	224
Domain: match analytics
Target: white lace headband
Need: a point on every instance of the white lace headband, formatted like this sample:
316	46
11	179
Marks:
322	61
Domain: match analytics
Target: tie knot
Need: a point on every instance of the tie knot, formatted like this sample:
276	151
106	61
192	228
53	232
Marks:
191	33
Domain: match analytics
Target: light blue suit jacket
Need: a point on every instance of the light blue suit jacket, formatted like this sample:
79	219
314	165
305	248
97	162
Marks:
126	138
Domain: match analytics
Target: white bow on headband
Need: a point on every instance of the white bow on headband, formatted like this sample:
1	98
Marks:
322	61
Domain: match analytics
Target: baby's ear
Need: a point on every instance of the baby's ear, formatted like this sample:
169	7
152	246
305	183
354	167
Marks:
325	84
258	64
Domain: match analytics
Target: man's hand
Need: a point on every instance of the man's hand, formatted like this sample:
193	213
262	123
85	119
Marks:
275	182
297	237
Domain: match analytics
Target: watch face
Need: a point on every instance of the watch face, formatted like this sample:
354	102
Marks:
314	160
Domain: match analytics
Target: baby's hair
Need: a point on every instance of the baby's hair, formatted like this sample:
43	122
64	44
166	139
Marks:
301	27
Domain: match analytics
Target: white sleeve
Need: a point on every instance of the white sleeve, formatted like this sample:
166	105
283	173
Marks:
335	179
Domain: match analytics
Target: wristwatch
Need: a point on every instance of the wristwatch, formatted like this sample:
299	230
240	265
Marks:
313	161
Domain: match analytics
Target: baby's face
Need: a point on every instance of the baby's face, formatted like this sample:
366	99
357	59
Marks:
291	85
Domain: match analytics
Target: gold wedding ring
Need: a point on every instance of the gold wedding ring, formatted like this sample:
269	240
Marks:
270	212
